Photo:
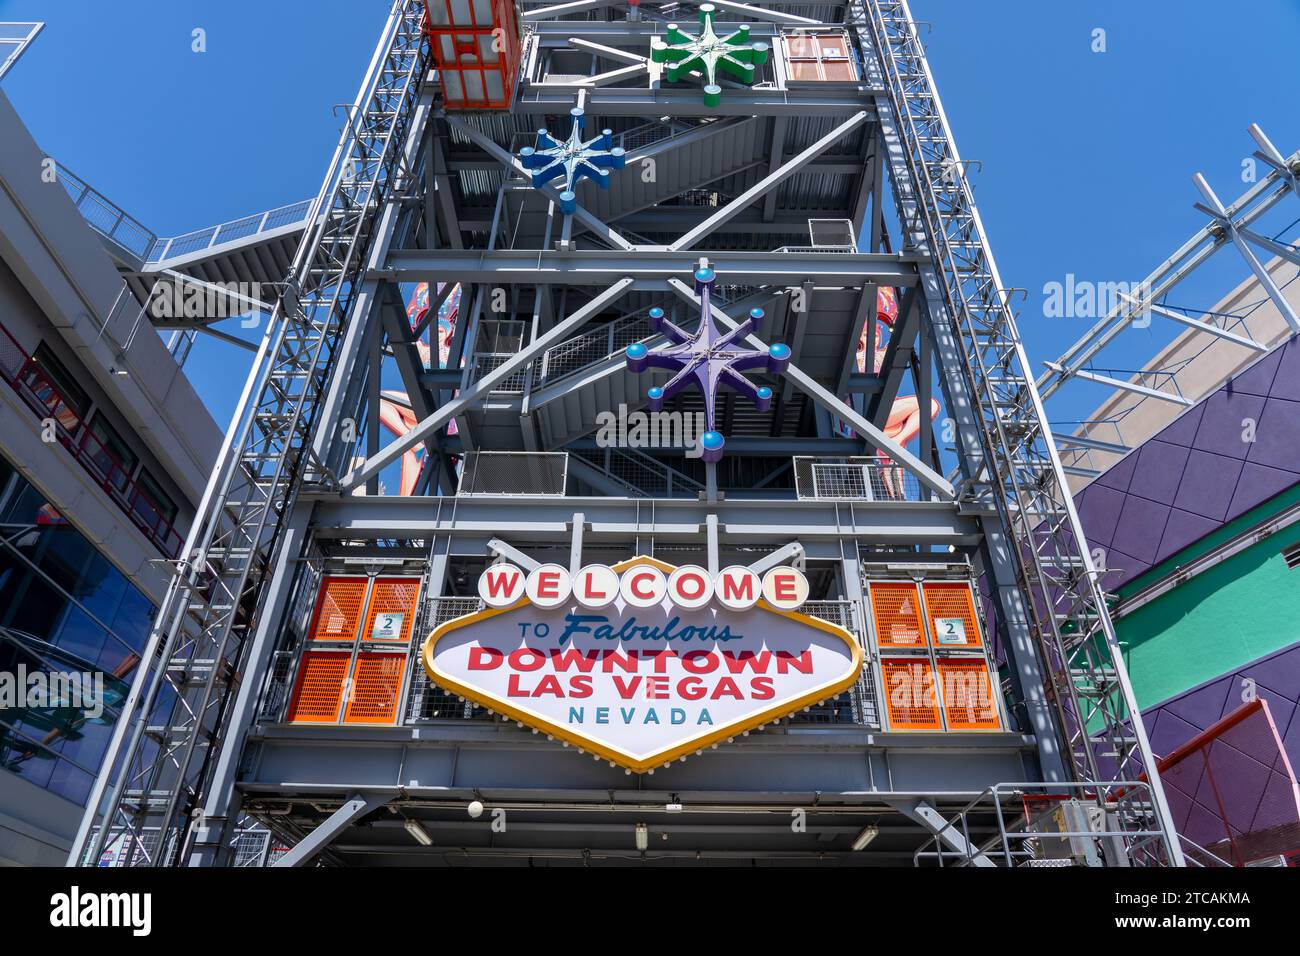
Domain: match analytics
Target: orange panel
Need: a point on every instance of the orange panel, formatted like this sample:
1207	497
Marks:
909	694
376	689
338	609
967	695
319	688
946	604
897	611
392	608
477	48
805	70
832	45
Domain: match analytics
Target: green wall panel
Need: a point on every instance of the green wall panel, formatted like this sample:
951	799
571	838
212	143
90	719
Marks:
1238	610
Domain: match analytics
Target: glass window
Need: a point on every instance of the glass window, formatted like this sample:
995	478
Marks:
64	609
70	781
34	606
56	388
134	619
109	454
100	590
153	506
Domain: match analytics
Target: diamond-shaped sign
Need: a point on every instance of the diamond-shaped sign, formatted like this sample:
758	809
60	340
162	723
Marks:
642	686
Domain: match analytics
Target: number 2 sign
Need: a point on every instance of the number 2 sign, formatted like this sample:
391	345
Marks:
949	630
387	627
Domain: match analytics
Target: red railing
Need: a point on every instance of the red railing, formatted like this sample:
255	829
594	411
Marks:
1232	791
48	403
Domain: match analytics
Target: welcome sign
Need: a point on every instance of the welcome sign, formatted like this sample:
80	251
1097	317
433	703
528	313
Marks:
642	663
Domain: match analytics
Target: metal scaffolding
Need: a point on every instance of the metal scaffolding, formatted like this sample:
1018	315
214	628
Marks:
1211	340
809	186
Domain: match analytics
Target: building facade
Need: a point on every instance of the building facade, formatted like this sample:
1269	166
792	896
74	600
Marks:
1199	525
104	449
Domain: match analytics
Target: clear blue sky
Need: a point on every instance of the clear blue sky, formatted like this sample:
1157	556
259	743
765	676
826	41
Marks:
1087	157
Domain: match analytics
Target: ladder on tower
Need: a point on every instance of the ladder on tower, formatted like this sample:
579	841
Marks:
172	724
1087	683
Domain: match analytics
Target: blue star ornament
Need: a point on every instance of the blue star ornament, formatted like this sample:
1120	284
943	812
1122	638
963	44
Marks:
572	160
709	359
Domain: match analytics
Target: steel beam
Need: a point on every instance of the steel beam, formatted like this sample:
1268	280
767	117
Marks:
557	10
535	99
342	818
1217	210
838	407
748	12
783	172
1191	323
1125	386
1084	441
1199	249
483	387
927	816
511	553
537	519
650	268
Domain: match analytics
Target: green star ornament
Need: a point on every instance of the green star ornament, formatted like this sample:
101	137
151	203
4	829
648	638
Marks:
708	53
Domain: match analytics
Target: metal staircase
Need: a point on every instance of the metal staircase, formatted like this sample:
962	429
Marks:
683	156
586	375
642	475
973	325
173	719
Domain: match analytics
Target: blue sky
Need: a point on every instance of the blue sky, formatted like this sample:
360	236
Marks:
1087	157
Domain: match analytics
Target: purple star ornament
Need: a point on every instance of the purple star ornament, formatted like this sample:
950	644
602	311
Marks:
708	359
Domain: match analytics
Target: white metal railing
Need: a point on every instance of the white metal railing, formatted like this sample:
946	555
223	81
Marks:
15	38
114	223
579	352
106	217
236	229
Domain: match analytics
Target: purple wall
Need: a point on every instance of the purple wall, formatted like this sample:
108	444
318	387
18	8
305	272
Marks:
1239	786
1199	473
1277	680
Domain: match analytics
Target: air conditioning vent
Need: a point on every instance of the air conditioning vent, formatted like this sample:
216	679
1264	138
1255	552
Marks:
1291	554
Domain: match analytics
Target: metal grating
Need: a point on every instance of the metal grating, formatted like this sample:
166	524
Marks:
897	612
968	702
250	848
339	609
832	234
860	703
514	473
428	701
319	692
909	694
376	688
390	598
859	479
949	602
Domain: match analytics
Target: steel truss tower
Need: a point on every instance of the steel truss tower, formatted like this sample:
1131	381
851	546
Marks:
823	117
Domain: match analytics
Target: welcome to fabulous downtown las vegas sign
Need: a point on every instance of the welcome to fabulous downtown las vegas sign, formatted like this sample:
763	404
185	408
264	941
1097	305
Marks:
642	663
